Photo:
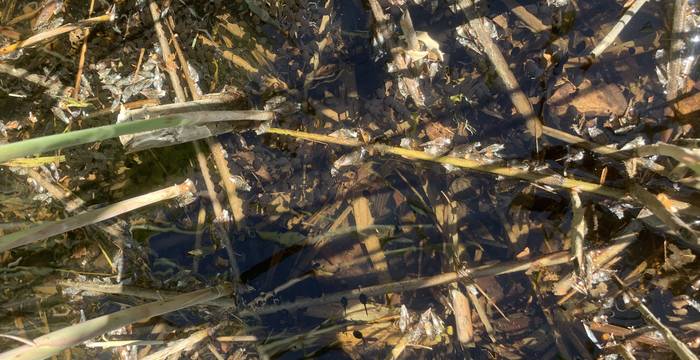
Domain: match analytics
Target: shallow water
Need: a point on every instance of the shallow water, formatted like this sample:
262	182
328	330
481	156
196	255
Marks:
296	199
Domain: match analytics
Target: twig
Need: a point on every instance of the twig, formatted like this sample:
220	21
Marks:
50	34
20	18
54	342
480	308
73	204
517	96
48	229
215	352
217	151
184	65
238	338
418	283
35	161
446	216
617	29
621	350
138	65
552	180
83	52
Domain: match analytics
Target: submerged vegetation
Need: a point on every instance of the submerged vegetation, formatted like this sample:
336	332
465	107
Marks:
353	179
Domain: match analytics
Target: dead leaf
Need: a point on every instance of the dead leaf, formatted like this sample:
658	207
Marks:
678	258
689	105
593	100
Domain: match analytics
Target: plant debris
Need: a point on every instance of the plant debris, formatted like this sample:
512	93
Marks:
343	179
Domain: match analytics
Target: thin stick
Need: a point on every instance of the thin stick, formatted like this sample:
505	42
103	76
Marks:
674	85
517	96
54	342
138	65
617	29
48	229
184	65
50	34
35	161
552	259
83	52
551	180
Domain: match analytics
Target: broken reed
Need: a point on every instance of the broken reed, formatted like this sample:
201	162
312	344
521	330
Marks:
524	174
73	138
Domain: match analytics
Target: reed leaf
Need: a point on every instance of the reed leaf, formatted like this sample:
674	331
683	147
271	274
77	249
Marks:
74	138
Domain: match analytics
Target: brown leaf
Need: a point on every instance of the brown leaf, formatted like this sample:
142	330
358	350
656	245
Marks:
436	130
678	258
593	100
